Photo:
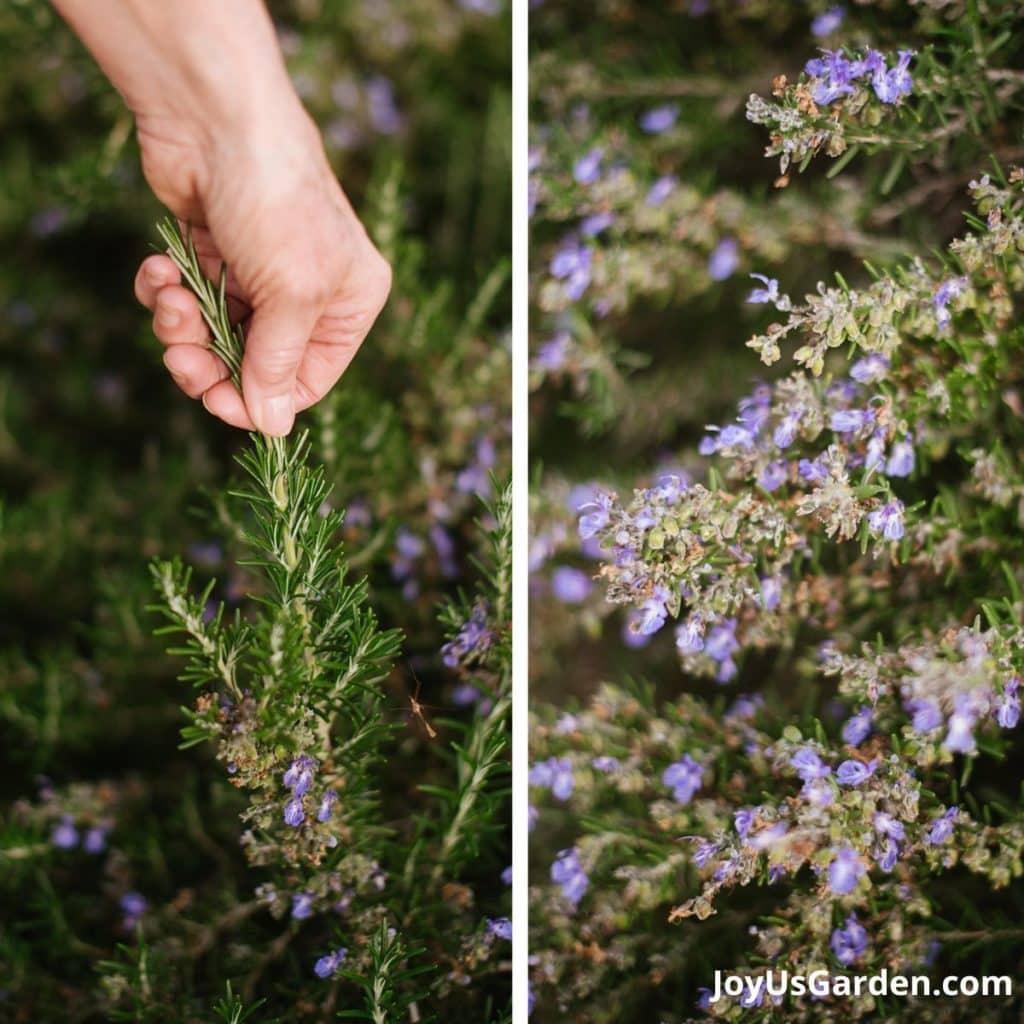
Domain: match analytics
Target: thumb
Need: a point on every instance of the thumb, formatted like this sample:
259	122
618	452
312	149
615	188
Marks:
274	347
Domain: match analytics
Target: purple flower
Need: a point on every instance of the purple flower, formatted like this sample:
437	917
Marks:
133	905
553	354
835	73
809	765
848	421
825	24
302	905
926	715
569	585
571	264
769	293
95	839
473	640
684	777
901	459
948	290
724	260
743	820
595	515
774	475
887	521
857	727
844	870
785	432
294	812
771	592
870	369
812	470
327	965
853	773
890	85
960	736
567	872
653	612
660	119
886	825
605	763
1008	712
65	835
849	943
507	876
299	776
596	223
661	190
942	827
690	635
587	168
326	805
554	774
500	927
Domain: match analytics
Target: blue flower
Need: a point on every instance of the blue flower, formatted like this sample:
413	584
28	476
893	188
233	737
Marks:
65	835
809	765
327	965
887	521
844	870
901	459
926	715
857	727
134	905
690	635
724	260
554	774
299	776
890	85
849	943
605	763
1008	711
501	927
960	736
853	773
771	592
825	24
812	470
871	368
659	119
774	475
571	263
302	905
595	515
942	827
947	291
849	421
768	294
95	840
569	585
587	168
661	190
326	805
596	223
294	812
684	777
567	872
743	819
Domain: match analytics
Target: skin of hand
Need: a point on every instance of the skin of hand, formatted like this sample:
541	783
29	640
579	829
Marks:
228	148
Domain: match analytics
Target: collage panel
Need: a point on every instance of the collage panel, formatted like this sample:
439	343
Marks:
775	578
255	666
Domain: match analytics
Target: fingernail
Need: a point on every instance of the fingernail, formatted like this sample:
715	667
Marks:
275	415
153	276
168	317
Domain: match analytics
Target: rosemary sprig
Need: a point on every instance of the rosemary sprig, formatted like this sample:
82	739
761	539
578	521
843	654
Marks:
228	341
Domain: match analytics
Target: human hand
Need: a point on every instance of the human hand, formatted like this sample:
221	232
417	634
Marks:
303	274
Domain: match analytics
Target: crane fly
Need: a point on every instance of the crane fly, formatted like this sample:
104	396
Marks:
417	708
